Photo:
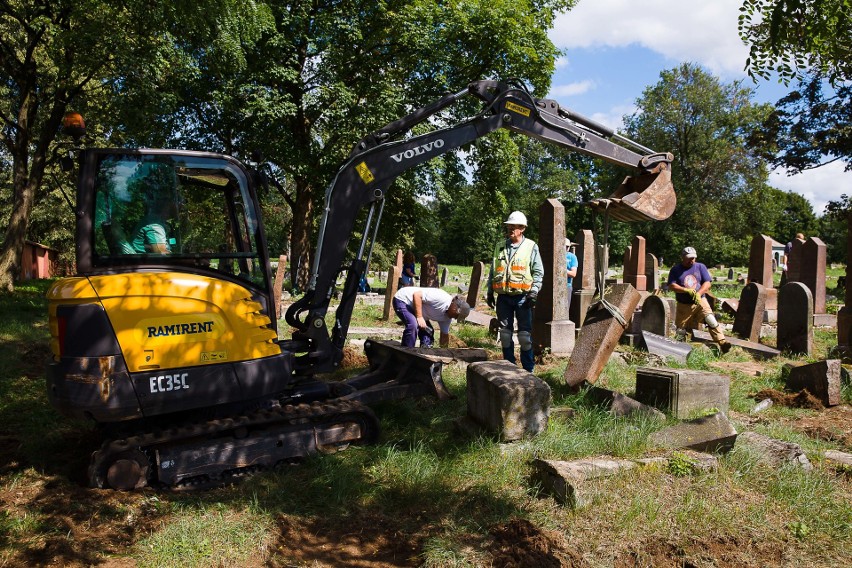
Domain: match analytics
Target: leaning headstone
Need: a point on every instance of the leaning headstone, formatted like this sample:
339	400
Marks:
713	433
552	330
776	453
795	319
750	312
683	392
634	267
475	284
506	400
599	335
429	271
821	379
394	274
760	261
656	315
279	284
444	274
812	273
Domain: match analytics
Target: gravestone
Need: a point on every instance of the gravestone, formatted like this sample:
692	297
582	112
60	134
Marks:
429	271
795	319
584	282
794	262
279	284
394	274
666	348
599	335
475	284
652	272
552	330
812	273
444	274
760	261
634	266
398	261
656	316
750	312
821	379
730	274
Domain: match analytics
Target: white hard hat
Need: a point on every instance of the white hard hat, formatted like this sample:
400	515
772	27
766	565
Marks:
568	243
516	218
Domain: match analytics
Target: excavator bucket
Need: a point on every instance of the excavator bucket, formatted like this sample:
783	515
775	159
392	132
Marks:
649	196
396	373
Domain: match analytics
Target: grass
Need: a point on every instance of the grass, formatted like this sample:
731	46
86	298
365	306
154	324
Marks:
423	485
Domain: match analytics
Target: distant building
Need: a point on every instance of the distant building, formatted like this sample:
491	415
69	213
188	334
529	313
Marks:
777	253
38	261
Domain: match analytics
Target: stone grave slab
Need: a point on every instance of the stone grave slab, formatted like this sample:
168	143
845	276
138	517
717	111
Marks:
599	336
775	453
394	274
564	480
475	288
683	392
656	316
713	433
506	400
756	350
622	405
750	312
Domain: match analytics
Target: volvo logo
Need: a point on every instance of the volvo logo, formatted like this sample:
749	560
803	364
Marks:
419	150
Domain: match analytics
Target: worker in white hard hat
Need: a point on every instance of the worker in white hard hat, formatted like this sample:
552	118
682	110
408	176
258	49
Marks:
515	279
690	280
571	264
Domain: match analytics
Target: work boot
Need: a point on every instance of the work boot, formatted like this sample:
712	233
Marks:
724	346
528	360
509	354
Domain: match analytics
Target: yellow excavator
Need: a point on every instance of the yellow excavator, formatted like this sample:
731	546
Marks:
167	337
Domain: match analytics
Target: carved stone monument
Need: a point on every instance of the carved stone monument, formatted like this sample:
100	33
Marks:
552	330
795	319
812	272
750	312
634	267
760	261
475	284
394	274
429	271
584	282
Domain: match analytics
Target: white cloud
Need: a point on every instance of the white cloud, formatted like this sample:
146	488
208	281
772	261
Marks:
570	89
819	186
701	31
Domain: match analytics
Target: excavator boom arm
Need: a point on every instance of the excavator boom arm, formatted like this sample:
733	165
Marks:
379	158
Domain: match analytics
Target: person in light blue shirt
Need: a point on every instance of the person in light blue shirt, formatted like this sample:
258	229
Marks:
571	264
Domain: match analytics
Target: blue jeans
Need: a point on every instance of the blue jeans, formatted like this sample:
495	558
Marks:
406	315
510	308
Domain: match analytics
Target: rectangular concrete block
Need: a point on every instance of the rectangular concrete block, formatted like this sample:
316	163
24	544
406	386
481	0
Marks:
564	480
507	400
683	392
713	433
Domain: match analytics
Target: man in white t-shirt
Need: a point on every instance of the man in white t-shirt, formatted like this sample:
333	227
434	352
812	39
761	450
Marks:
417	307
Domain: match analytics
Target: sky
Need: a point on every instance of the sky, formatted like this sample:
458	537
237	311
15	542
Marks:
614	49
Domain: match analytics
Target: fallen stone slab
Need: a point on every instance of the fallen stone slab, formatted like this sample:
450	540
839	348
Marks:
564	480
622	405
713	433
840	460
453	355
756	350
665	347
506	400
599	335
478	318
683	392
821	379
775	453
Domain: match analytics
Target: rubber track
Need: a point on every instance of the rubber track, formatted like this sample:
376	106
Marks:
308	414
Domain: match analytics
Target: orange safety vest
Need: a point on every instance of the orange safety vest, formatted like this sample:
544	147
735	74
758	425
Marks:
512	275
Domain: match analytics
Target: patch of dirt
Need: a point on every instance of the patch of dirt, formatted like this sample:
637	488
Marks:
367	541
519	543
801	399
834	424
353	358
718	551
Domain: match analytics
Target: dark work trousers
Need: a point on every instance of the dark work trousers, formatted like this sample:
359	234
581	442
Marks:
406	315
509	308
568	303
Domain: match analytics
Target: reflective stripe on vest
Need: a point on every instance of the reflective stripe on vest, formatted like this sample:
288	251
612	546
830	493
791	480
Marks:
514	278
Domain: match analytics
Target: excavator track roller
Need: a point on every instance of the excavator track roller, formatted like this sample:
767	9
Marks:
648	196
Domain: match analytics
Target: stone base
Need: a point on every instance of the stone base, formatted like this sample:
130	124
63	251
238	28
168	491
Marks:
558	337
770	316
634	340
826	320
580	302
844	326
682	392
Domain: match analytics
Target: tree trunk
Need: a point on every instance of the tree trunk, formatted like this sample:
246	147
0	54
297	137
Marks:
301	245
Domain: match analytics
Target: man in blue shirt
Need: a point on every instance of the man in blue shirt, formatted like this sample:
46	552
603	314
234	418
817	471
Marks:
571	264
690	280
